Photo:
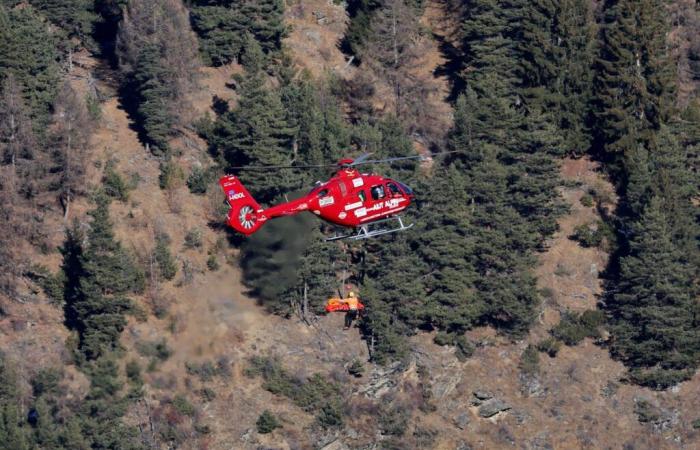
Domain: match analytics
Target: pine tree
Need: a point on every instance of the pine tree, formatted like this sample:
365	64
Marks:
633	82
257	131
155	96
445	243
76	17
29	52
223	24
12	435
654	314
17	139
99	275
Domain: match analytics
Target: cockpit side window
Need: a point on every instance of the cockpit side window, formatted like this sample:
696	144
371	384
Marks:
393	189
322	193
377	192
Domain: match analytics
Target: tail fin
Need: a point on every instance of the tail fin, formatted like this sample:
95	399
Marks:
244	215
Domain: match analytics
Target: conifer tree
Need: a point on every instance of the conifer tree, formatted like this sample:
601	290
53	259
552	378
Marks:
29	52
633	85
155	97
12	435
654	314
257	131
223	24
76	17
100	273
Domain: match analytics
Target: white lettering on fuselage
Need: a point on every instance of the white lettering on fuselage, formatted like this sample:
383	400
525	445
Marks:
232	195
325	201
357	182
353	206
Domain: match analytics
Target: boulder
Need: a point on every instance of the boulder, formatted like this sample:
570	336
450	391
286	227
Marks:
492	407
462	420
480	397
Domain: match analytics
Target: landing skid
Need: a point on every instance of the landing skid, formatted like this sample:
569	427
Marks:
365	231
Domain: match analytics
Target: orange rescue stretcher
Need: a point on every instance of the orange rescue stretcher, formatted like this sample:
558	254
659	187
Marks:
335	304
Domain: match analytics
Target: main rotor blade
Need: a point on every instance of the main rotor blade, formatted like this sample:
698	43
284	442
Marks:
360	159
272	167
401	158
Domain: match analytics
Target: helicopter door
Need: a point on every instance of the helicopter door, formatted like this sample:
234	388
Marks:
393	190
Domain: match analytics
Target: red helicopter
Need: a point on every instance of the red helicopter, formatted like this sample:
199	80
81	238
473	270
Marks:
350	199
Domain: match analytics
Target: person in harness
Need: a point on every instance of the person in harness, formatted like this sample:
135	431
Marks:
353	307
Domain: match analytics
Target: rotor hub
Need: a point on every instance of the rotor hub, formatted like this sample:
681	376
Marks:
247	217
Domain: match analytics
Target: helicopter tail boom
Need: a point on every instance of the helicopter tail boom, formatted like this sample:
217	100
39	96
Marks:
245	213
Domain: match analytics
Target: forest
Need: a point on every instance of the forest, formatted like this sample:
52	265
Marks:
531	83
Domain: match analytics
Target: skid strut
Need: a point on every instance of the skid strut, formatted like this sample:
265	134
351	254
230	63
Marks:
365	231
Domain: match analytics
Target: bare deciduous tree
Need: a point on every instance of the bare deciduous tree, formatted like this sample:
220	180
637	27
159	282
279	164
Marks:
166	24
392	52
70	134
17	139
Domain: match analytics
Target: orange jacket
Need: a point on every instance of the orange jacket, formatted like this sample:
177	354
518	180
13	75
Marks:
352	302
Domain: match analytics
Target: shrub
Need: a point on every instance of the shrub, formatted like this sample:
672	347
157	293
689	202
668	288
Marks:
164	259
393	420
114	184
133	372
199	180
46	381
213	263
573	328
207	394
158	350
193	238
587	200
696	424
267	423
171	175
549	346
183	406
314	394
465	349
330	415
52	284
588	235
530	361
356	368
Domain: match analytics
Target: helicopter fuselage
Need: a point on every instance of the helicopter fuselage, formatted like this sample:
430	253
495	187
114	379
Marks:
349	199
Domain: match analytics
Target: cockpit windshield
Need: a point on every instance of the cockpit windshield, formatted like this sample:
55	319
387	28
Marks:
405	188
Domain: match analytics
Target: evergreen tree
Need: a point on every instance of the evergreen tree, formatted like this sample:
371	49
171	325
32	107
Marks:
155	95
445	245
223	24
157	52
12	435
29	53
654	314
257	131
76	17
99	274
633	82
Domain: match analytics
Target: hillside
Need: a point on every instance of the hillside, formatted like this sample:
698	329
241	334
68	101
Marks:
131	317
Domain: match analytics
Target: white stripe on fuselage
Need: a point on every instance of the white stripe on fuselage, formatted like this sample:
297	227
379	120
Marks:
353	206
365	219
